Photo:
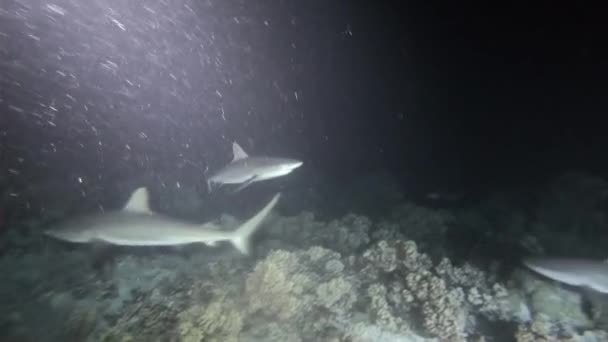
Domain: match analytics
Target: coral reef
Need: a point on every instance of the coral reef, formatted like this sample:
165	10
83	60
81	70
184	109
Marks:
348	279
291	287
543	329
219	320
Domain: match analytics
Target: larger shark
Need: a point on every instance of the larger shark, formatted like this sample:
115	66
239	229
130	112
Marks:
137	225
590	274
245	169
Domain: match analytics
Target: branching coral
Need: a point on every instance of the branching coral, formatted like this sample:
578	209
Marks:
436	294
425	293
295	286
381	312
543	329
220	320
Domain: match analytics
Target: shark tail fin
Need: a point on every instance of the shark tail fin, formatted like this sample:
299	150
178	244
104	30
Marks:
242	236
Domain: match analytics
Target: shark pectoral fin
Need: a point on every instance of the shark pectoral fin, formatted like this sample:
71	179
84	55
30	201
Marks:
245	184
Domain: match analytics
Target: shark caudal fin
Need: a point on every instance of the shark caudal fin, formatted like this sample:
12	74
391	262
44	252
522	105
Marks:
241	237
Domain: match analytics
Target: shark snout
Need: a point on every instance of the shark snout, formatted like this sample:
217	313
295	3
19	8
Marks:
288	167
295	164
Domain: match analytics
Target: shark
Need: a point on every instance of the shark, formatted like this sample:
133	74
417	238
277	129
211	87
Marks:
586	273
137	225
245	169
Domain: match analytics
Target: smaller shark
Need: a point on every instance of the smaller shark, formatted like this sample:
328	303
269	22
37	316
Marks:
245	170
137	225
590	274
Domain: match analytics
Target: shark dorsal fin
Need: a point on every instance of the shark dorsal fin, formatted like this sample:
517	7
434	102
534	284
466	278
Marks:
139	201
238	152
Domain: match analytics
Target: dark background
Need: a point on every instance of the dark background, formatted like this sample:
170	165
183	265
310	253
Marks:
471	97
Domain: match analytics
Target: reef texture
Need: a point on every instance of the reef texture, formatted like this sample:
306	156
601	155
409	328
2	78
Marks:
346	279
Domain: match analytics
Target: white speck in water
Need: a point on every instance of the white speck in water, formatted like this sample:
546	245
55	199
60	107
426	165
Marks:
295	94
16	109
52	123
13	171
80	180
218	93
143	135
128	147
118	23
55	9
149	9
36	38
108	64
348	31
178	185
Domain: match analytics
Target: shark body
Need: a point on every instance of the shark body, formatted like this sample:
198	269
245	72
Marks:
137	225
245	169
591	274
